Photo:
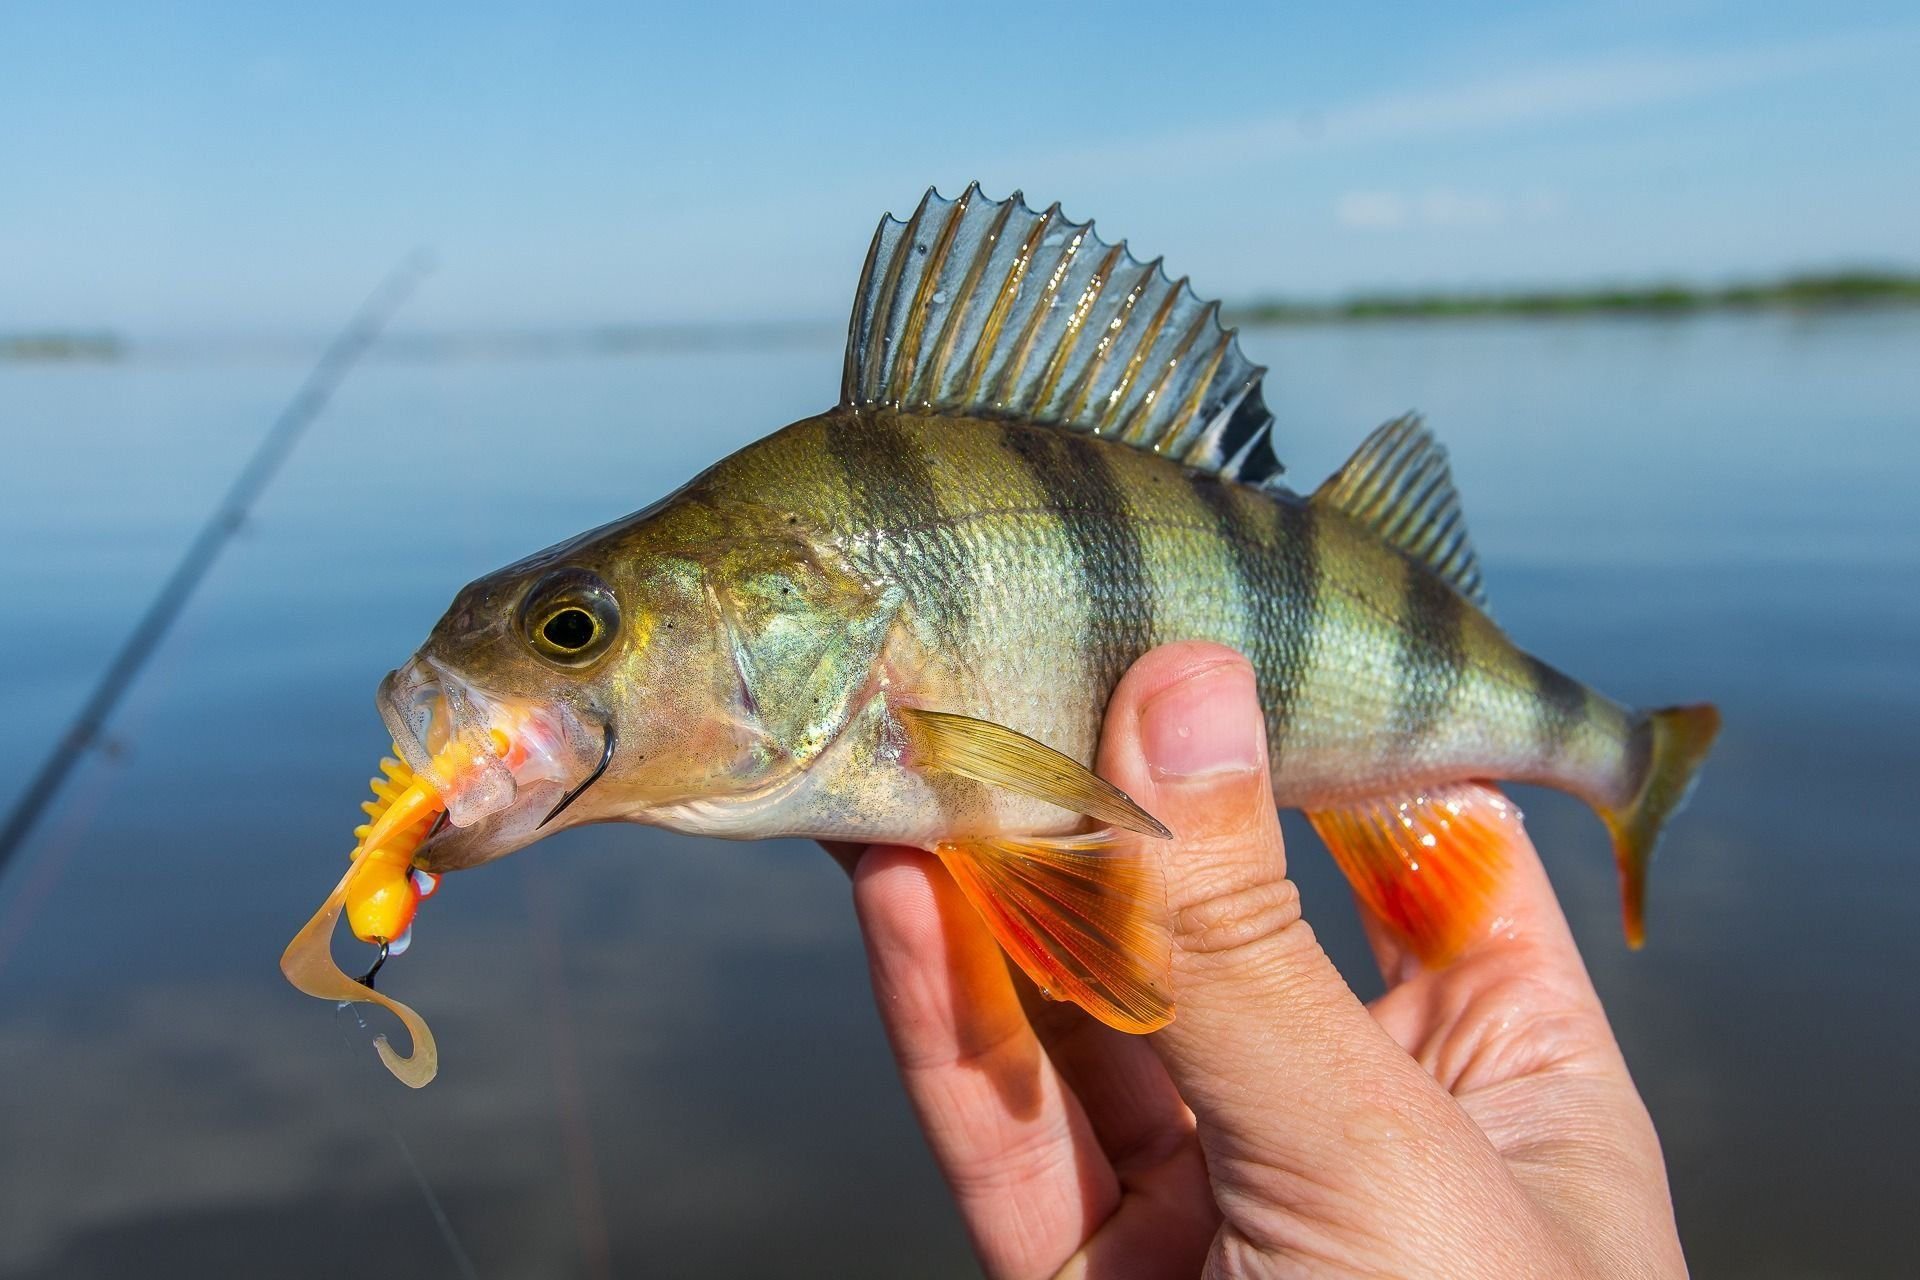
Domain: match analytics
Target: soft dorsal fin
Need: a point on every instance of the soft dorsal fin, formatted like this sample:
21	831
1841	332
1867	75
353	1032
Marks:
984	307
1398	484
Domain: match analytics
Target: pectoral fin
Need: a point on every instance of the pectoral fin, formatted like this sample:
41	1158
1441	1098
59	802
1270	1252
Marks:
1001	757
1427	865
1085	918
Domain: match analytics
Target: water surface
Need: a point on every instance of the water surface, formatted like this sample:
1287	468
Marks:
659	1052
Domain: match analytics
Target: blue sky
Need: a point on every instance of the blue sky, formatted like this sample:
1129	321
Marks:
219	168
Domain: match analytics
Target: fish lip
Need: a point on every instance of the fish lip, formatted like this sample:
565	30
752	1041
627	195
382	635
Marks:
395	705
426	705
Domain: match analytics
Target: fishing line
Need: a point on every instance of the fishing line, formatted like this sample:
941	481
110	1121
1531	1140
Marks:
334	363
439	1213
606	758
583	1171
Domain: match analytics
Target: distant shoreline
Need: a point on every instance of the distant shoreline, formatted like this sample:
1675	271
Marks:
1822	292
62	346
1841	290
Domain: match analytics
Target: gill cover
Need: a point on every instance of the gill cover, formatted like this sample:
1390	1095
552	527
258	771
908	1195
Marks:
803	635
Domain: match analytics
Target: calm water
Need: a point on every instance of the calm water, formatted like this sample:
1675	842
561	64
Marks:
659	1052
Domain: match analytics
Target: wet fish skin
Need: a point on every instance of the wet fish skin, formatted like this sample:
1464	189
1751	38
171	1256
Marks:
1013	573
1048	458
1039	565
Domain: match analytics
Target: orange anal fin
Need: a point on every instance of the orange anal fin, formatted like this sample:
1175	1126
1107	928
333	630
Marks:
1083	916
1427	865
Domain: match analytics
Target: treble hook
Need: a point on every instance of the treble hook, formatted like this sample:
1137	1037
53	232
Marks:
366	979
606	758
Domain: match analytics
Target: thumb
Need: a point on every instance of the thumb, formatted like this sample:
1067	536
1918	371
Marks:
1295	1088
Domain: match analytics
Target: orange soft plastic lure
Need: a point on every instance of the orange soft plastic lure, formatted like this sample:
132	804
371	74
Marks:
380	893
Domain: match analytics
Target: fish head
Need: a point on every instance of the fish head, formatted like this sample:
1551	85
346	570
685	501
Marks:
673	668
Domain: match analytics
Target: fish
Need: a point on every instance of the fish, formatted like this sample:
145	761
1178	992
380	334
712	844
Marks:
899	621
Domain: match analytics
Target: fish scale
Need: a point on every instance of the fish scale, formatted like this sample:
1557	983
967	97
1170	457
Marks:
1382	674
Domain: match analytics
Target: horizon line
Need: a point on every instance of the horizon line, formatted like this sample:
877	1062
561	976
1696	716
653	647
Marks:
1804	290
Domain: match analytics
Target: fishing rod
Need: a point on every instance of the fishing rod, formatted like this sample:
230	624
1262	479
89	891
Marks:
352	342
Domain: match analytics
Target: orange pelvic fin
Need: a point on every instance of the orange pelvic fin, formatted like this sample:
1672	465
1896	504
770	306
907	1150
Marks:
1085	918
1427	865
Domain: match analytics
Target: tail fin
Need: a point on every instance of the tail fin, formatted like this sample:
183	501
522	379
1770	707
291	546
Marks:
1678	741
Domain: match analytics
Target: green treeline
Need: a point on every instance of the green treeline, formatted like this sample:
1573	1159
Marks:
1802	292
61	346
1822	292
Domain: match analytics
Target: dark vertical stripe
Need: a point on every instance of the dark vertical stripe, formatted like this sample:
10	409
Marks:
1559	707
1075	474
1432	658
1271	541
891	486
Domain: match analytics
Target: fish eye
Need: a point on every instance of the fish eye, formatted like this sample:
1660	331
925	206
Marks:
569	617
572	629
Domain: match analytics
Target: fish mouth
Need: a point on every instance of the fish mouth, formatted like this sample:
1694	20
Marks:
513	749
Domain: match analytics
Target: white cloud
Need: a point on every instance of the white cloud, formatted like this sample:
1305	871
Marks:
1444	207
1536	95
1538	206
1371	210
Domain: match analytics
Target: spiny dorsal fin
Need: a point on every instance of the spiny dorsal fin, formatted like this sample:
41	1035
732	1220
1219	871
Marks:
1397	483
983	307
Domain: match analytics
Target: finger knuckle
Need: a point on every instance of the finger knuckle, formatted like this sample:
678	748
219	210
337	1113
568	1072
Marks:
1517	1025
1233	917
1019	1159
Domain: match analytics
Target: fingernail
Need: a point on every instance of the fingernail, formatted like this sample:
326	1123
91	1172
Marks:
1209	723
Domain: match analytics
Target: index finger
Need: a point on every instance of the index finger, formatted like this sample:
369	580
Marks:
1012	1140
1523	961
1514	1029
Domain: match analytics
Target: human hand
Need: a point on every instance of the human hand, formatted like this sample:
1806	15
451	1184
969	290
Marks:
1476	1120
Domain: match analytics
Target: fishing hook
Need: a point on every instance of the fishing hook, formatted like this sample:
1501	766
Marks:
366	979
606	758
